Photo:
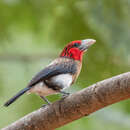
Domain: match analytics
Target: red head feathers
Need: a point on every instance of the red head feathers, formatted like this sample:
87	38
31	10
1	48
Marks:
75	49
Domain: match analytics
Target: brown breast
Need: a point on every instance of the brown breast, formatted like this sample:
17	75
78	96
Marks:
70	61
79	66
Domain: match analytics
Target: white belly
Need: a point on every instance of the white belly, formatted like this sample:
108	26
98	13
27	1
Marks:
63	80
41	89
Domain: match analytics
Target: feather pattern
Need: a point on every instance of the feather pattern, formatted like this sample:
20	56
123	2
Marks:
55	77
58	66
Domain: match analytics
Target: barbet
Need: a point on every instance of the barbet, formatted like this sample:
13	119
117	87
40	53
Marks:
59	74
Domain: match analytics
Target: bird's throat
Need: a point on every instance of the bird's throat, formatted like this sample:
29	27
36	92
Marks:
72	53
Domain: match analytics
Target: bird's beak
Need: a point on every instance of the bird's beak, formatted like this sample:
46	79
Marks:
85	44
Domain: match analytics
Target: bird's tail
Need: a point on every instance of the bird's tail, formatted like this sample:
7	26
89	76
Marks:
20	93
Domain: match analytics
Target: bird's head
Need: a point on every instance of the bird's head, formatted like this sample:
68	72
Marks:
75	49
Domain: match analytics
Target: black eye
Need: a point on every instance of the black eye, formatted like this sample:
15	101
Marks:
76	44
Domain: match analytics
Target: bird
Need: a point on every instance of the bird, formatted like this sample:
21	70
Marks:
60	74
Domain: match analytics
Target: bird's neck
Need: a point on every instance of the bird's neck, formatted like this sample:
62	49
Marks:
72	54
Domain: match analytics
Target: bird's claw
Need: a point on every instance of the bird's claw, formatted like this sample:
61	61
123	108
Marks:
64	94
45	105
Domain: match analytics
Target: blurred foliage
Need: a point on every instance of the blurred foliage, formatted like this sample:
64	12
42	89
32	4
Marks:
33	32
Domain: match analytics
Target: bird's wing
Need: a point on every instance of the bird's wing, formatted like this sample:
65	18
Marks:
56	68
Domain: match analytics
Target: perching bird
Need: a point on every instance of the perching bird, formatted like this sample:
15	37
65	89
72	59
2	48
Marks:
59	74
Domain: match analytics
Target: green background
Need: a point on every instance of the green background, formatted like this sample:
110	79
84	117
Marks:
33	33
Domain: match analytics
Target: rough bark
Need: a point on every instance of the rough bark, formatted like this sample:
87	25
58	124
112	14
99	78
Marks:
77	105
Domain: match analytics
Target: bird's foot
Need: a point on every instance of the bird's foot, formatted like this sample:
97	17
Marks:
45	105
64	94
46	100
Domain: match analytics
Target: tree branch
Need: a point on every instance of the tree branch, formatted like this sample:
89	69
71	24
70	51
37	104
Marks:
77	105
